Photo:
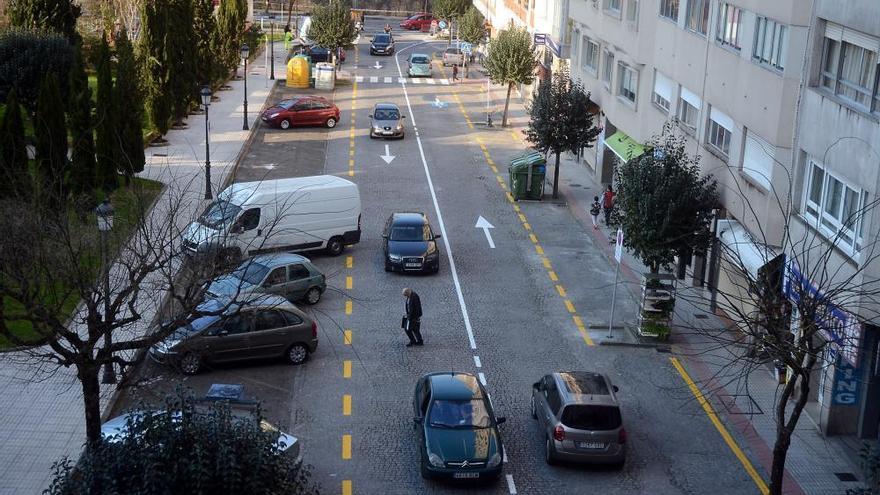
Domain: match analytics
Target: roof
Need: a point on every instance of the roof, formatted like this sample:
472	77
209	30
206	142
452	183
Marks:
409	218
276	259
625	147
414	55
585	387
455	386
241	192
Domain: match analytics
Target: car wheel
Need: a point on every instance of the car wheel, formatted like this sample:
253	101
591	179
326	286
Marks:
423	467
372	136
331	123
534	409
335	246
190	363
388	267
284	124
549	454
297	354
313	295
619	465
436	267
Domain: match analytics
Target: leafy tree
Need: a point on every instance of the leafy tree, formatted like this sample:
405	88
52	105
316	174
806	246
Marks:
664	204
231	453
511	61
227	42
26	57
51	149
180	56
559	119
451	10
83	166
156	69
127	94
57	16
332	27
14	175
106	122
471	28
205	28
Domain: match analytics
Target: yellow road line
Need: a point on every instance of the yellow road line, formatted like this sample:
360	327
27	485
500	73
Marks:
522	218
569	306
346	339
351	162
351	173
348	282
561	290
514	134
346	405
516	208
546	263
349	261
494	168
552	275
586	336
346	369
510	197
346	447
351	152
348	307
707	407
528	227
346	487
578	321
539	249
533	238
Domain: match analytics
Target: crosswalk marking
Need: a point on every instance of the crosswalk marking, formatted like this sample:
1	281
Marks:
387	79
374	79
444	81
401	80
429	81
417	81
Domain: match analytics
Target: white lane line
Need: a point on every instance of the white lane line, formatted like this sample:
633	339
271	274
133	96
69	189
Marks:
482	378
374	79
387	79
444	81
358	78
477	362
430	81
504	457
511	487
445	235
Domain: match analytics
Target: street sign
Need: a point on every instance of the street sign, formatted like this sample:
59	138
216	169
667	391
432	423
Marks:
442	24
618	247
540	38
466	47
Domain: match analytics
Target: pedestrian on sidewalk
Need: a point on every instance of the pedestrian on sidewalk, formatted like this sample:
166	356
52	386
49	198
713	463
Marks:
594	211
412	322
608	204
454	72
288	38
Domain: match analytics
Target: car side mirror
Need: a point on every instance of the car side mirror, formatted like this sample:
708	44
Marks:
500	420
437	236
384	236
403	116
615	388
536	385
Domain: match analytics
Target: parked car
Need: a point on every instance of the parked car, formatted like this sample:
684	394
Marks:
288	275
410	244
382	44
320	54
419	65
264	326
386	121
302	110
417	22
457	428
453	56
579	418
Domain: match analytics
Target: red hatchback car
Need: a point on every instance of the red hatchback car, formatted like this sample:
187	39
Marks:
417	22
302	110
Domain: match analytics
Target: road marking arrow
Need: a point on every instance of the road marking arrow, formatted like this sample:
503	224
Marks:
377	66
437	103
268	166
388	157
484	224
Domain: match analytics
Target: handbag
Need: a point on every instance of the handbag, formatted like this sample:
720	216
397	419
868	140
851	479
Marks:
403	323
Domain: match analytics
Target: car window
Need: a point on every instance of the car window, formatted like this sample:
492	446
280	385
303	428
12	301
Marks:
219	214
408	233
459	414
299	107
386	114
292	319
250	219
553	398
251	272
298	272
590	417
420	60
382	38
269	320
278	276
286	104
236	324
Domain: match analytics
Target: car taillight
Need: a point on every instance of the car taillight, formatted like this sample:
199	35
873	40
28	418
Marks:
314	330
621	437
559	433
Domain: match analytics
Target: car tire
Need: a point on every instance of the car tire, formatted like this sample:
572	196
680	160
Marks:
335	246
331	123
619	465
312	296
436	267
297	354
190	364
423	468
372	136
534	409
549	453
388	267
284	124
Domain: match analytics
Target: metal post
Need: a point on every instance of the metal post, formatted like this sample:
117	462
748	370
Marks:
244	126
613	299
272	48
109	373
207	155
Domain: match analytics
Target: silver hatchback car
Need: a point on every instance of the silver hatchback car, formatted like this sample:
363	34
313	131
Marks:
580	418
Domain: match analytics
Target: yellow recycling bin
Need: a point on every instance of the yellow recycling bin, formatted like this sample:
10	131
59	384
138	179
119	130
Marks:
298	72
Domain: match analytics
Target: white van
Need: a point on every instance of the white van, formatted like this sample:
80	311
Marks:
297	214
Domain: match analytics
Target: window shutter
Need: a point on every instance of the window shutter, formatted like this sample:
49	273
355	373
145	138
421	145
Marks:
691	98
861	39
758	159
722	119
663	86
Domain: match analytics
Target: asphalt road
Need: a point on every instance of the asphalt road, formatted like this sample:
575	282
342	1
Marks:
505	312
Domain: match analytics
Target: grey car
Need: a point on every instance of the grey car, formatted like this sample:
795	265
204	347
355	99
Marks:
289	275
386	121
579	418
263	327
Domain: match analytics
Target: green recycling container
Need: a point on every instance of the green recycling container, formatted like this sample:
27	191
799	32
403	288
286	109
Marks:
521	186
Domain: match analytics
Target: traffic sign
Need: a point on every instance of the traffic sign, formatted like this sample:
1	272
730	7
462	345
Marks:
540	38
442	24
466	47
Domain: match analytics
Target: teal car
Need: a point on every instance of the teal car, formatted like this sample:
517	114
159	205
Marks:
419	65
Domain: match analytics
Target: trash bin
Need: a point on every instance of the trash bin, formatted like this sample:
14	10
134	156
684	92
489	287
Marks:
325	76
298	72
527	176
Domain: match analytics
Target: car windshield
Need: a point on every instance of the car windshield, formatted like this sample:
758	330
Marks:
386	114
459	414
286	104
420	60
219	214
252	272
382	38
411	233
583	417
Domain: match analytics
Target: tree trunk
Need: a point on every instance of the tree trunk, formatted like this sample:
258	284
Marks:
556	178
506	105
88	378
784	429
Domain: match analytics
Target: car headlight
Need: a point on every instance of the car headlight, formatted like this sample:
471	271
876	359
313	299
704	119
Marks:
377	128
273	115
435	460
395	257
399	127
494	461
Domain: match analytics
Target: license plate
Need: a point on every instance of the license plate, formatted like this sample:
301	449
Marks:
465	475
388	133
413	265
590	445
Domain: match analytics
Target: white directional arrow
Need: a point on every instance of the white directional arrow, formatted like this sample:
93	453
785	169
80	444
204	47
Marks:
387	156
377	66
268	166
484	224
437	103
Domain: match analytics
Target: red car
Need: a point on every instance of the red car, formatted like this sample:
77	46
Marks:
417	22
302	110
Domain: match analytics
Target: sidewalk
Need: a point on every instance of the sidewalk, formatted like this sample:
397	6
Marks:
743	398
41	419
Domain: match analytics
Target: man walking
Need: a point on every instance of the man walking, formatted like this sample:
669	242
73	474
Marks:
454	72
608	204
412	321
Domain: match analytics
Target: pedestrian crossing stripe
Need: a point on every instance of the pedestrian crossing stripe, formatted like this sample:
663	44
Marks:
401	80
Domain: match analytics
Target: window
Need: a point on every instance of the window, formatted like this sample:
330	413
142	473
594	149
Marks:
236	324
292	319
758	159
689	106
662	95
769	43
269	320
609	68
590	55
277	277
849	66
719	131
697	18
613	5
249	220
669	9
834	207
298	272
632	10
729	25
628	80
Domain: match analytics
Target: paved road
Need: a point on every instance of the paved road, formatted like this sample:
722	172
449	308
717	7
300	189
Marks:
507	313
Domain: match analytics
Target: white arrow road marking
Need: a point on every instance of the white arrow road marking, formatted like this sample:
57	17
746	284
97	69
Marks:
484	224
437	103
268	166
377	66
388	157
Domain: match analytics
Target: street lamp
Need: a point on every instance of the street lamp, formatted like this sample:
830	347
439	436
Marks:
271	46
104	213
244	56
206	100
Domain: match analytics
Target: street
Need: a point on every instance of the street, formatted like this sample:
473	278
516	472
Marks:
511	303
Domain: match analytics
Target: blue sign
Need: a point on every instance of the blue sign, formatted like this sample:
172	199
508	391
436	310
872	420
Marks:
554	46
465	47
845	391
442	24
540	38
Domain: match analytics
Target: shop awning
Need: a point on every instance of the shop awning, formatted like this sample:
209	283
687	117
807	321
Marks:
741	248
625	147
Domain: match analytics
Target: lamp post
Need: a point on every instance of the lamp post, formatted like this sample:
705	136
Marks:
206	100
244	56
272	47
104	213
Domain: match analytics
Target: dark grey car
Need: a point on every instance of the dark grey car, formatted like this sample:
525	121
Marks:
289	275
579	417
386	121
